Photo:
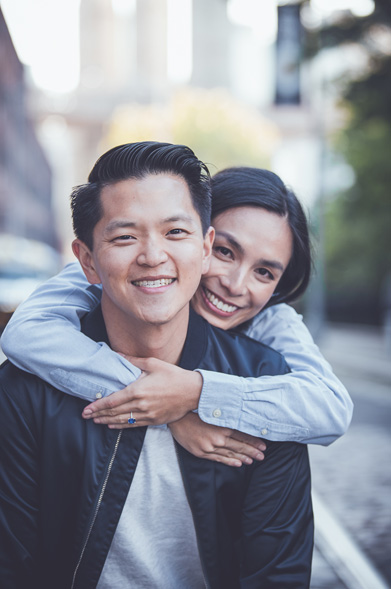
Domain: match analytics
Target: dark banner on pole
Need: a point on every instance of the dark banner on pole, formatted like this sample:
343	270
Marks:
288	55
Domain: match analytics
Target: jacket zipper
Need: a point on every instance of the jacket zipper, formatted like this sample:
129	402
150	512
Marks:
192	515
103	489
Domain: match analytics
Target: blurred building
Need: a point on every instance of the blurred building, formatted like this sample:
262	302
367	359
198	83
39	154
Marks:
25	175
212	37
127	50
125	58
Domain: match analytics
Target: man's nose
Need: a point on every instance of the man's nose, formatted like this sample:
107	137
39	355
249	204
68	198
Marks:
235	281
152	253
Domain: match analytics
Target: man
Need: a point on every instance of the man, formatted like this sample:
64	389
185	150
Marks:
83	506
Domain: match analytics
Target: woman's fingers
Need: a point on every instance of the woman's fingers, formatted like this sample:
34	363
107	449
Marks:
249	440
163	393
228	460
129	418
246	453
110	405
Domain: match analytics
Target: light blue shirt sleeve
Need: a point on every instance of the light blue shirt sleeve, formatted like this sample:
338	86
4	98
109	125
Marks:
308	405
44	337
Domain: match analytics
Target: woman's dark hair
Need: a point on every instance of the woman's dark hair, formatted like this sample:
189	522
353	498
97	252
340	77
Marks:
239	187
138	160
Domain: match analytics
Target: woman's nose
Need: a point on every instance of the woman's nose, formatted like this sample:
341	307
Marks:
235	282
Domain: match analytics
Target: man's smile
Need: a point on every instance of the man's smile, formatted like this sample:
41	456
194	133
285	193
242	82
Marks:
155	283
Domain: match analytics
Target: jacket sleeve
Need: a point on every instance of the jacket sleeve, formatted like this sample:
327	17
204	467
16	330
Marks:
70	362
277	521
308	405
19	502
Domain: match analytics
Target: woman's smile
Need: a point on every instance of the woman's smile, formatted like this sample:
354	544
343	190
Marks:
218	304
251	251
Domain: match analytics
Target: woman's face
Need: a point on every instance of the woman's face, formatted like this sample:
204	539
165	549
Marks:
251	251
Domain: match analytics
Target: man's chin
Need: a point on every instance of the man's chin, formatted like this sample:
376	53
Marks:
158	318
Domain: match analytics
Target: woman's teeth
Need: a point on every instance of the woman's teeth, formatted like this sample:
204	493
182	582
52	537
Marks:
154	283
219	304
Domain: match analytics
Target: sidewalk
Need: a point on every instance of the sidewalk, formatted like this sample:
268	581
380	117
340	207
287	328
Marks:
357	351
352	477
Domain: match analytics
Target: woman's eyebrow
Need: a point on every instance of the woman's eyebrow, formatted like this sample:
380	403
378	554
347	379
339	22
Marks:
231	240
271	264
262	261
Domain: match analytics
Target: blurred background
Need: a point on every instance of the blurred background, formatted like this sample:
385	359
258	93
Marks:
302	88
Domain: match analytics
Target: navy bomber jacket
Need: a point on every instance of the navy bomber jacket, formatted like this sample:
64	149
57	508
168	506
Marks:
64	481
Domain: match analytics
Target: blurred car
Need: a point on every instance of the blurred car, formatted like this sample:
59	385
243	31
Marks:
24	265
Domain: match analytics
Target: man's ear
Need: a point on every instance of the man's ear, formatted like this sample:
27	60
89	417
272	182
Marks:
84	255
208	243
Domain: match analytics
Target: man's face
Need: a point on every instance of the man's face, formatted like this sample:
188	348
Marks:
149	252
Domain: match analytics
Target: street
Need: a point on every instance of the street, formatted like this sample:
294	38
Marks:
353	476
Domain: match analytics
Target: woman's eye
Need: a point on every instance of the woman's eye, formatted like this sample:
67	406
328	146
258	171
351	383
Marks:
224	251
265	272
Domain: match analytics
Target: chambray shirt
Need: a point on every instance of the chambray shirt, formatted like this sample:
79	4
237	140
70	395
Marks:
308	405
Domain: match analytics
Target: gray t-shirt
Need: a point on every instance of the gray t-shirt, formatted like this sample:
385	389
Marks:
155	546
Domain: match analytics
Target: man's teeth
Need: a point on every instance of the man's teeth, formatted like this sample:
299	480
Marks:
154	283
219	304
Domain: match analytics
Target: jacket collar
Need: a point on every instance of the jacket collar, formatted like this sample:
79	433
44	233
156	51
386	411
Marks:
93	326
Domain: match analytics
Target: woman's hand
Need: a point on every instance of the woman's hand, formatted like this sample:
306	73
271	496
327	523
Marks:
162	394
220	444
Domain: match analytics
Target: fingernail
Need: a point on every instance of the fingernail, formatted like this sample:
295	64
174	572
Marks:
87	412
248	460
259	456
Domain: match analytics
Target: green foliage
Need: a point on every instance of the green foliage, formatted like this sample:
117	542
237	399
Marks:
358	222
221	131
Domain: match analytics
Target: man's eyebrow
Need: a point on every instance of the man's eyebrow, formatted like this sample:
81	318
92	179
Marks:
125	223
119	224
180	218
262	261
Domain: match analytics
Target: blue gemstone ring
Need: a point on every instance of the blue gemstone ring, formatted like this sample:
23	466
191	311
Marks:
131	419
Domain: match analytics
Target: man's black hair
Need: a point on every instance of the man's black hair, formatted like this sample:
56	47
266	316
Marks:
138	160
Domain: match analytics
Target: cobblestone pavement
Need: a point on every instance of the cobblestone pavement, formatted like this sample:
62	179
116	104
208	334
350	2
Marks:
353	475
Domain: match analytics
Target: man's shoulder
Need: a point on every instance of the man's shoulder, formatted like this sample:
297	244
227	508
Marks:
26	389
241	355
28	401
11	374
16	382
20	392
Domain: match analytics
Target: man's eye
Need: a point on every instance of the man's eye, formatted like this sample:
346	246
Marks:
123	238
176	232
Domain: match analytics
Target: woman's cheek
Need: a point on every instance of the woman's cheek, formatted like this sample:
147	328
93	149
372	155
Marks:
215	266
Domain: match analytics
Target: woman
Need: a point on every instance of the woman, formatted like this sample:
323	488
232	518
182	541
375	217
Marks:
261	260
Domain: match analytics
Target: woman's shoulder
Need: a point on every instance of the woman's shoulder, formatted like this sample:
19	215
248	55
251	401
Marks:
280	312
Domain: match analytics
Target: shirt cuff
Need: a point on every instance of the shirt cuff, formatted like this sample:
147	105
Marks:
81	382
221	400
